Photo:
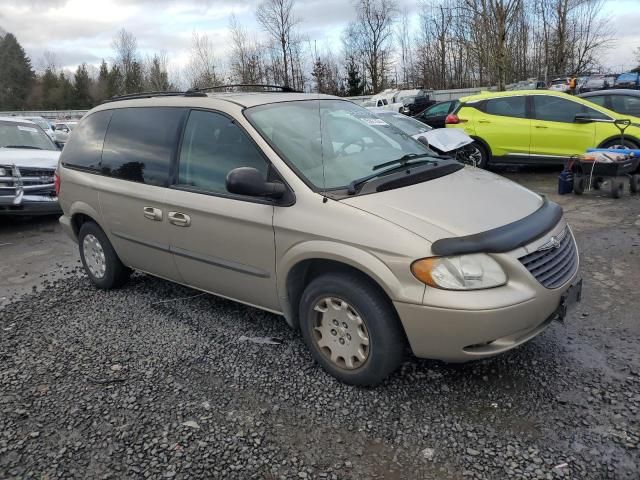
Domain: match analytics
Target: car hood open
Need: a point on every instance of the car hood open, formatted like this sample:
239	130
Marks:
29	158
466	202
446	139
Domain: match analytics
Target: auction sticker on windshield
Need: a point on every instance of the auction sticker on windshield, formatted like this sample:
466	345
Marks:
374	121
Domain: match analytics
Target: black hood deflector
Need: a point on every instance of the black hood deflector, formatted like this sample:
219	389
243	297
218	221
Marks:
505	238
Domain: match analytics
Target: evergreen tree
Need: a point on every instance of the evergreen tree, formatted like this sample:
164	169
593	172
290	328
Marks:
354	84
115	82
50	90
16	74
99	87
158	79
66	92
81	88
134	82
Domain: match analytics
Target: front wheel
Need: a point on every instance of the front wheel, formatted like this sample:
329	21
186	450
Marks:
352	330
99	259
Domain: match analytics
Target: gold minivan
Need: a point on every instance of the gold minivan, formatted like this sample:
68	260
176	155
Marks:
313	208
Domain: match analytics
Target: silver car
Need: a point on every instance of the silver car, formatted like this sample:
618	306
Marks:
313	208
28	159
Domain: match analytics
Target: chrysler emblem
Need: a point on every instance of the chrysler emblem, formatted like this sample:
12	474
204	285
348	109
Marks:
555	241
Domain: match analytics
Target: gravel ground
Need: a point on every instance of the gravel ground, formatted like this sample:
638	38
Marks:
154	381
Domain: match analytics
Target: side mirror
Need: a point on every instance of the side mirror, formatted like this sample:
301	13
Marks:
583	118
60	145
248	181
53	127
423	139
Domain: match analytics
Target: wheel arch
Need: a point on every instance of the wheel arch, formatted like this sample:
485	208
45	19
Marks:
81	213
484	144
297	270
611	138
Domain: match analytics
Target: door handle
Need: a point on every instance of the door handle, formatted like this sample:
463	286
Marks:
541	126
484	121
152	213
179	219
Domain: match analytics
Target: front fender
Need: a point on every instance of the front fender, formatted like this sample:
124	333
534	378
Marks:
355	257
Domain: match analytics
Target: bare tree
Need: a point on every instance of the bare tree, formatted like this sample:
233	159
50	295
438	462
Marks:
125	47
202	68
278	19
403	35
373	31
246	60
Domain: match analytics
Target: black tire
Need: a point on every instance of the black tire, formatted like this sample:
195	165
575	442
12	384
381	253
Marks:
578	184
617	144
386	337
617	187
634	183
484	154
116	273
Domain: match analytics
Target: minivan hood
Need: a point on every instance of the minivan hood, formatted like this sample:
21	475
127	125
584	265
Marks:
27	157
466	202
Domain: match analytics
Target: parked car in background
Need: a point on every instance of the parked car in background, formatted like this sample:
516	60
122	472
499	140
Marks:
625	102
559	85
416	104
443	141
28	160
597	82
628	80
435	115
537	127
311	207
530	84
62	130
44	125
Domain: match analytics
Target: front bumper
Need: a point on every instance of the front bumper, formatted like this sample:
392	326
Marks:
31	194
467	325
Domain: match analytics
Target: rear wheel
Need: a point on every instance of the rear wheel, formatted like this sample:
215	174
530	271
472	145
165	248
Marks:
100	260
352	330
617	143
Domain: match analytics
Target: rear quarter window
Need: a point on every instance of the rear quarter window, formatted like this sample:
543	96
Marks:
84	148
140	144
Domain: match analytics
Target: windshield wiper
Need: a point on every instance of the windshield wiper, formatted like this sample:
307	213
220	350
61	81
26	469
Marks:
403	160
400	162
22	146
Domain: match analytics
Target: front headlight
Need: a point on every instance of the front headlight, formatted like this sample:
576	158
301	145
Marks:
3	172
464	272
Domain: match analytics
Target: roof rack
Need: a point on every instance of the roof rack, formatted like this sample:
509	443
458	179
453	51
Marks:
200	92
131	96
282	88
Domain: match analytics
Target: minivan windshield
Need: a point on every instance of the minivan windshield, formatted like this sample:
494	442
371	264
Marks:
332	143
24	135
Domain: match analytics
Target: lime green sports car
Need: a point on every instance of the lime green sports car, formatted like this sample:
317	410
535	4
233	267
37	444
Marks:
538	126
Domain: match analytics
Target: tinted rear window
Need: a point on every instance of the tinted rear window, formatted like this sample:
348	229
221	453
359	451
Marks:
140	143
84	148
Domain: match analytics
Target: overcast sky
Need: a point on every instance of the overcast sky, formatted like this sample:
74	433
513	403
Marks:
82	30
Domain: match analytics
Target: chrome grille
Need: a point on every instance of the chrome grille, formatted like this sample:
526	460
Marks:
555	262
